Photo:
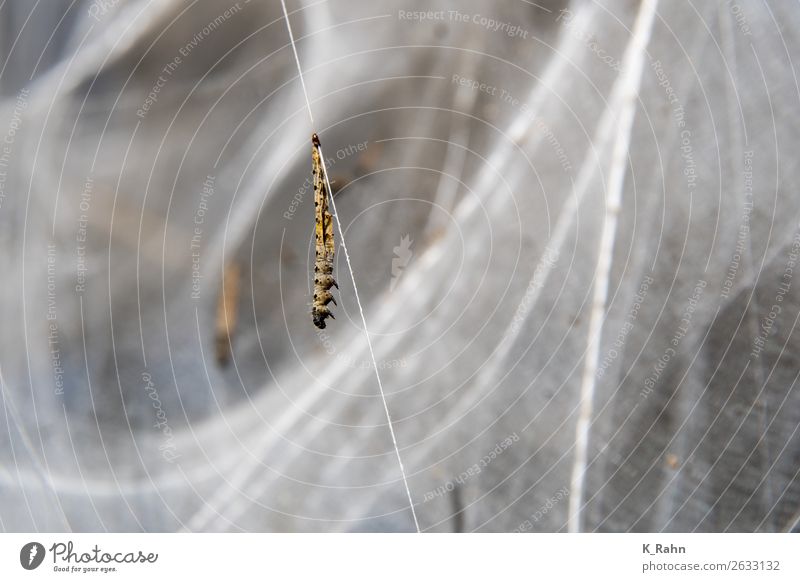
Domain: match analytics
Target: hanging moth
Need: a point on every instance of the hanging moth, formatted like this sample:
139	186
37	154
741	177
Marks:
323	266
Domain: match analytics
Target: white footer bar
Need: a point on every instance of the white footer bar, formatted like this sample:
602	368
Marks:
406	557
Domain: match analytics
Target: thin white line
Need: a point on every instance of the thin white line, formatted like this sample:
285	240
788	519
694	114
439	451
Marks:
352	278
299	68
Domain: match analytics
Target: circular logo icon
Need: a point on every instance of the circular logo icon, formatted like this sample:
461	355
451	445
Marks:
31	555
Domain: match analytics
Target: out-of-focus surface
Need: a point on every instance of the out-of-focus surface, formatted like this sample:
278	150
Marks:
147	144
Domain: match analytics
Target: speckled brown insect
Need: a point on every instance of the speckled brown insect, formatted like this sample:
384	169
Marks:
323	266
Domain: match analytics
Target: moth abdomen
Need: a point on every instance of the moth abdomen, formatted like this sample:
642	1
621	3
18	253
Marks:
323	282
324	297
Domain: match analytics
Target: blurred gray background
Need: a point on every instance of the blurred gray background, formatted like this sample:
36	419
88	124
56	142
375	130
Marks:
572	226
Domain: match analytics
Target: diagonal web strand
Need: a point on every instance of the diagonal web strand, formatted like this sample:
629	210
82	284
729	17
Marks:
352	276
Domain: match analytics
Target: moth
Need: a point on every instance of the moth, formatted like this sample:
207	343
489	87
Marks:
324	247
